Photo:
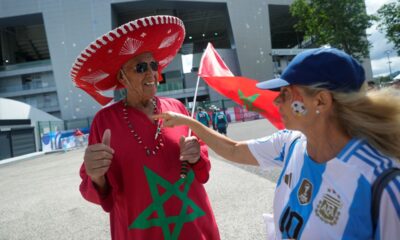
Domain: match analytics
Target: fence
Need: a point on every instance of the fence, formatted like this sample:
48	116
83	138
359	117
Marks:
55	135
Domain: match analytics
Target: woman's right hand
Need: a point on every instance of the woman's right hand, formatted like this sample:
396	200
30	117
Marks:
172	119
97	159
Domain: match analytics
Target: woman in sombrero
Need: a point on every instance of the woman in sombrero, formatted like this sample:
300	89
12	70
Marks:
132	165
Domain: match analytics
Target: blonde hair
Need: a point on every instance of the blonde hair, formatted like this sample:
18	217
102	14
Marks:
373	116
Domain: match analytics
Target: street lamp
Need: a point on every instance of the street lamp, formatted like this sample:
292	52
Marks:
389	62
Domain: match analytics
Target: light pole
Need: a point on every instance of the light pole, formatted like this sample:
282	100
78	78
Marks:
389	62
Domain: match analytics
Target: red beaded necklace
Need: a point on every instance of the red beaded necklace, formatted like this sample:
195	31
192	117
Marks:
157	135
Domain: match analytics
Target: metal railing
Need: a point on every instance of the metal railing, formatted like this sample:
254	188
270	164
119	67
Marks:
24	65
170	87
28	86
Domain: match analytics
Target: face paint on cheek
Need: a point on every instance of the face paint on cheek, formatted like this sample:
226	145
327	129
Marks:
298	108
297	105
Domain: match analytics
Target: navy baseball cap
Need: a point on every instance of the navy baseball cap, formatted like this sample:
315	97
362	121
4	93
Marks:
329	68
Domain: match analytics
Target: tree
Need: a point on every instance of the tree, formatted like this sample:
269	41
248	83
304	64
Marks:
339	23
389	23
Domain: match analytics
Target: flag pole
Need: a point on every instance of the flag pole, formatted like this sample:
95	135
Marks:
185	164
194	102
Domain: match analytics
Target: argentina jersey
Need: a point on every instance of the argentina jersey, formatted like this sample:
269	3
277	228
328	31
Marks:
329	200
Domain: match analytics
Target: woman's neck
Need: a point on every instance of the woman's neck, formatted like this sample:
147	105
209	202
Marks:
324	144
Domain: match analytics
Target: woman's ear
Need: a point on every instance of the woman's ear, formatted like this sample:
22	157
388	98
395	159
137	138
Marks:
324	101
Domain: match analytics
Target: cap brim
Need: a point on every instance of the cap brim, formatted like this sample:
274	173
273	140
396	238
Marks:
273	84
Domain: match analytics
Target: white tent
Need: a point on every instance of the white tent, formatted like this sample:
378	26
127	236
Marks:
12	110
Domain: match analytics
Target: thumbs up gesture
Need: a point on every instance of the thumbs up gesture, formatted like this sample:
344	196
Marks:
97	159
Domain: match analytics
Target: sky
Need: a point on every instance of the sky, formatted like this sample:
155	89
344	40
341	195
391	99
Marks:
379	58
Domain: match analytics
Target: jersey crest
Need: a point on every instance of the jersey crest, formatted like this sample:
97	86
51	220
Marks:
304	194
328	209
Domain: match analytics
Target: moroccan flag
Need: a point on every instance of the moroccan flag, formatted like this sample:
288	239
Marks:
242	90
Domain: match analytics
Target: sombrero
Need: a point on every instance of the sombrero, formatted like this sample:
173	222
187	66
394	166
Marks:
95	69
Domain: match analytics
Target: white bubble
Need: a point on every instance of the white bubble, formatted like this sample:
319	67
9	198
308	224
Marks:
77	109
66	99
247	26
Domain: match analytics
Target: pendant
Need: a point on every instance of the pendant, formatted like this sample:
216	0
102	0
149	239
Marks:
157	132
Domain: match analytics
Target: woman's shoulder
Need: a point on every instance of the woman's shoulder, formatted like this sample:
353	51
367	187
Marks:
281	137
367	160
289	135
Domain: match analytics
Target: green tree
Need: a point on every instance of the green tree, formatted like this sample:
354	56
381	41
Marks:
389	23
339	23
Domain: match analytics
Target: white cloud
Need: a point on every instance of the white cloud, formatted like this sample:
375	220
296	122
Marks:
374	5
380	45
381	66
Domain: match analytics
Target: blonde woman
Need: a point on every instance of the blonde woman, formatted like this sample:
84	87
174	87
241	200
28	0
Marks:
338	140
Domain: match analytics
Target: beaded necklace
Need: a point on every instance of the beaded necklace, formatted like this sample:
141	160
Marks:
157	135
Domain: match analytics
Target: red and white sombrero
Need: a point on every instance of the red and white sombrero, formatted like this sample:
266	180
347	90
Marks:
95	69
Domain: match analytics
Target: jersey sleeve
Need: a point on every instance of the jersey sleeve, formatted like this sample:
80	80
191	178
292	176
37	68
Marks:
87	188
389	211
271	151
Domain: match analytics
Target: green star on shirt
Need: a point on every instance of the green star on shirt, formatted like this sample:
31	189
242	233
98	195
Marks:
163	221
248	101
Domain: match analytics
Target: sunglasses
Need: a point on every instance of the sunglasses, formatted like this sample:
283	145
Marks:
144	66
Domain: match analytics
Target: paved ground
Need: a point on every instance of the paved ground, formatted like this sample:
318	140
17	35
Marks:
39	197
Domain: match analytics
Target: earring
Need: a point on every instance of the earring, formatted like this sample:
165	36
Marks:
317	112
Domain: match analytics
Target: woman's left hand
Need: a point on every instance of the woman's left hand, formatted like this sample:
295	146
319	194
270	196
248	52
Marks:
190	149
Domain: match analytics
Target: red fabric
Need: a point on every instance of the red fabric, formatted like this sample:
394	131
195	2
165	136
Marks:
218	76
130	194
95	69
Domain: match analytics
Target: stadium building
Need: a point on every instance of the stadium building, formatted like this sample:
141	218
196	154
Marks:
40	39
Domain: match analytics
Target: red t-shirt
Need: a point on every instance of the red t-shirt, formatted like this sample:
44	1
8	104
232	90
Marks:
148	200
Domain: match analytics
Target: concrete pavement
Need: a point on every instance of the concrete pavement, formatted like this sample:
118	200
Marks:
40	199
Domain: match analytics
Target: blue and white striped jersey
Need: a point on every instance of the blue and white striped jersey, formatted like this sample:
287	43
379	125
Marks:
329	200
